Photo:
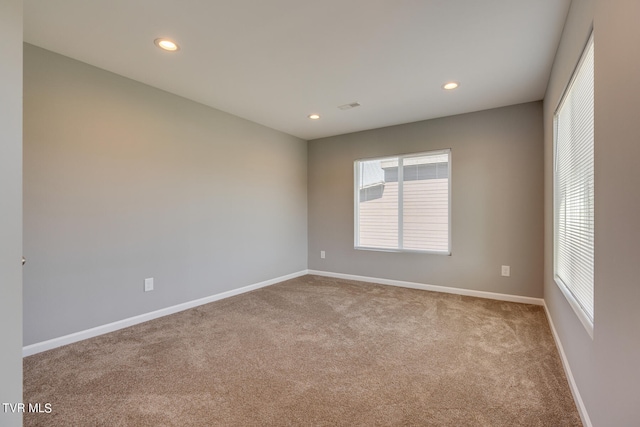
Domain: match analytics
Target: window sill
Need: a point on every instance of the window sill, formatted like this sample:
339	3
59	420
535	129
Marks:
414	251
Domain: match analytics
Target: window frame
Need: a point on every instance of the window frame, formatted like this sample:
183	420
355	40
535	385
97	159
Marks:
401	158
586	320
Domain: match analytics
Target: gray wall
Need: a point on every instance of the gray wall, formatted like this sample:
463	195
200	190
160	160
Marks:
10	207
605	368
497	196
123	181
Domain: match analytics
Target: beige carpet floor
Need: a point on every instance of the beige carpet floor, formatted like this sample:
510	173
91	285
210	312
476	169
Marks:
313	351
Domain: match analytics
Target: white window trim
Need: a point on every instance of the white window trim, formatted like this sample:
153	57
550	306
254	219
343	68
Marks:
400	158
575	305
586	321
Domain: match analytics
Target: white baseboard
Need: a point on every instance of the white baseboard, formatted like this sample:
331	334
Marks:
124	323
434	288
567	370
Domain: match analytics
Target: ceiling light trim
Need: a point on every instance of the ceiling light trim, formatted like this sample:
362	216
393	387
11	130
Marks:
166	44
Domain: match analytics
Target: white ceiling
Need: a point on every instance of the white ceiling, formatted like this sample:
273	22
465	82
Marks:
276	61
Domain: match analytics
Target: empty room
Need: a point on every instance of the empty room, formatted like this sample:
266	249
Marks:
369	213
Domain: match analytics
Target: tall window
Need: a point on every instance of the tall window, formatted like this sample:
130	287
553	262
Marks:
402	203
573	190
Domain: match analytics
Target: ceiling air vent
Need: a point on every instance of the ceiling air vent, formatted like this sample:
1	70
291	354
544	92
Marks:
349	106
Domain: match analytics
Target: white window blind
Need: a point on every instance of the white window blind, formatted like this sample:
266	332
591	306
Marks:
403	202
574	189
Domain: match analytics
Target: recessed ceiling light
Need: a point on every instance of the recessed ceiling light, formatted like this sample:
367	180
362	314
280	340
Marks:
450	86
314	116
166	44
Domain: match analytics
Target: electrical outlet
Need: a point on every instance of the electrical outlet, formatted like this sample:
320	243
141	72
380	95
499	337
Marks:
322	254
148	284
506	270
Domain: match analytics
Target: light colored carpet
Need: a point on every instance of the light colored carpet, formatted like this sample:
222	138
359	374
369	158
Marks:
313	351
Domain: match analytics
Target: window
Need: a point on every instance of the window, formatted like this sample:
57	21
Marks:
573	190
402	203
